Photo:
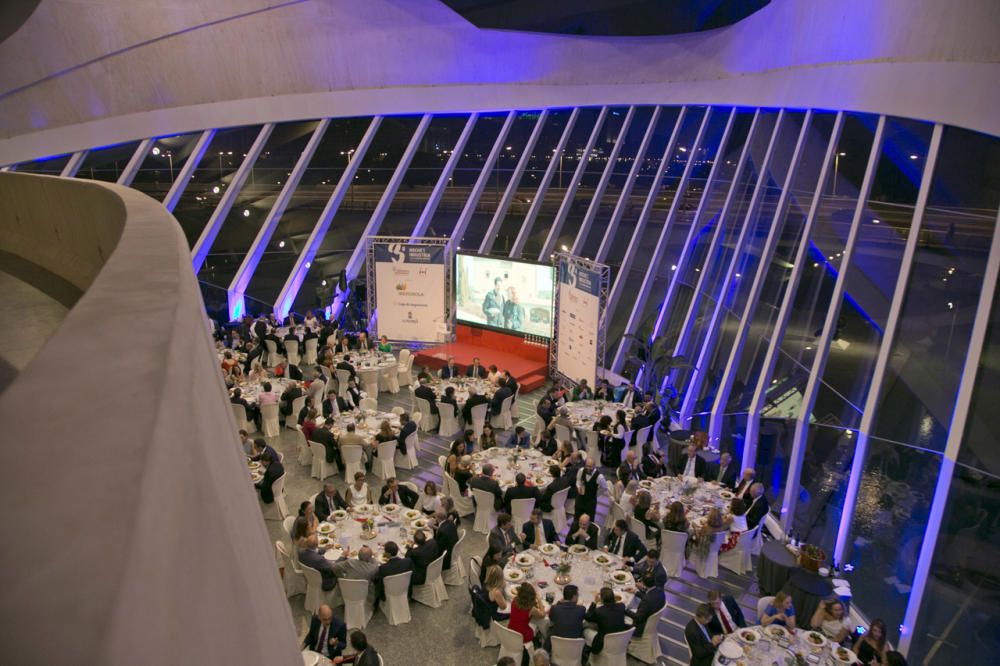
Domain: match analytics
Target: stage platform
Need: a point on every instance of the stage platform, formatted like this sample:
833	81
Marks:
526	362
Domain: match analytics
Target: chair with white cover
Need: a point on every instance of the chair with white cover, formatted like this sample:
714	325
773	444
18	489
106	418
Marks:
762	605
616	512
397	410
564	434
486	516
316	596
369	381
302	447
558	513
504	420
429	421
475	569
242	422
455	574
539	423
520	511
409	460
758	541
672	546
357	608
641	435
287	524
273	358
353	456
591	440
343	377
639	527
320	467
369	404
388	379
463	505
396	606
405	369
269	420
737	558
447	420
433	592
567	651
479	418
511	643
327	375
615	649
646	648
278	509
317	394
382	466
310	346
292	352
708	567
627	437
293	578
292	420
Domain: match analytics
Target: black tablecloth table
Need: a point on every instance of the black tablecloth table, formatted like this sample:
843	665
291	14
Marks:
775	566
808	589
677	445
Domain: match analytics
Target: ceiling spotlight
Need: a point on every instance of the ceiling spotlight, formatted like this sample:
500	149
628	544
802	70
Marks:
246	212
308	264
216	190
951	306
683	149
156	150
281	243
876	221
914	157
738	275
673	267
323	283
565	249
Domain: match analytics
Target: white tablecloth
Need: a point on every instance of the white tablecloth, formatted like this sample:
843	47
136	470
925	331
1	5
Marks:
507	463
251	389
462	384
698	497
585	413
343	534
773	646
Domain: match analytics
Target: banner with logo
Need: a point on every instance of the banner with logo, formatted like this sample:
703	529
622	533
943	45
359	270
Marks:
579	321
411	291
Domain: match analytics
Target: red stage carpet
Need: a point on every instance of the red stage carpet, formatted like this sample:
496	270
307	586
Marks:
528	363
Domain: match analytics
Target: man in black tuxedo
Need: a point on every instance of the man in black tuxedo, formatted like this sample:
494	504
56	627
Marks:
652	464
546	412
520	490
260	447
312	556
425	392
251	410
651	599
353	398
476	369
538	530
502	538
327	633
294	372
726	614
446	534
742	488
566	616
273	470
692	465
630	469
450	370
724	473
328	501
653	416
345	364
474	400
758	506
406	428
624	543
393	565
703	645
582	531
501	394
322	435
511	381
285	403
254	354
651	565
640	420
331	405
422	553
609	618
547	443
260	328
393	493
559	481
342	347
485	481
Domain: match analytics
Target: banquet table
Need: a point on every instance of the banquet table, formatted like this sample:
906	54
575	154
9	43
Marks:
366	422
252	389
462	385
585	413
311	658
776	565
776	646
807	590
369	365
698	496
507	463
343	535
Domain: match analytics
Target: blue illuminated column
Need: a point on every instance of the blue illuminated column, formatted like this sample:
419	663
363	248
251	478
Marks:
184	175
760	275
294	282
442	184
128	173
237	288
826	337
788	300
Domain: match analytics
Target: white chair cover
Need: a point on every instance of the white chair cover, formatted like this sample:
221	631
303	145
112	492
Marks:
273	357
520	511
317	393
353	456
343	377
433	592
590	440
511	643
646	648
383	466
405	367
738	559
455	575
640	438
429	421
709	566
762	604
617	512
302	447
625	449
369	381
315	595
463	505
369	403
357	609
397	410
408	461
564	434
388	379
568	651
672	546
293	578
320	467
479	419
278	509
292	351
639	528
240	415
539	423
309	355
475	570
396	606
447	420
292	420
504	419
615	648
486	517
558	513
269	420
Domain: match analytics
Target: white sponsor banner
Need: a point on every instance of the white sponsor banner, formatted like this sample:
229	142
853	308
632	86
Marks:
579	321
410	291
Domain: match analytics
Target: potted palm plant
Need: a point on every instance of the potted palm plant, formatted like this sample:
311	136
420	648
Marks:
656	364
811	557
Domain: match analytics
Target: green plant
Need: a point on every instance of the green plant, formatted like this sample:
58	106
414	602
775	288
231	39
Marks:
655	362
813	552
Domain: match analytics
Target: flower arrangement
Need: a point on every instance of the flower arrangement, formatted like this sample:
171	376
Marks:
688	489
368	527
562	572
811	557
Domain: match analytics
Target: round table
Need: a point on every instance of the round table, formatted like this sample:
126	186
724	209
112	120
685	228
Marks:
462	385
366	422
342	535
807	590
698	497
678	442
776	565
369	365
585	413
251	390
775	646
507	463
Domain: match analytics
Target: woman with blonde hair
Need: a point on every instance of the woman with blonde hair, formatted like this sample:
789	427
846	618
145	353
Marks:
493	586
257	372
779	611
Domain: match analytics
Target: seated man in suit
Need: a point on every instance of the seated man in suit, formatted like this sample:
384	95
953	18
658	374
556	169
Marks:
546	411
393	493
422	553
604	391
322	435
538	531
511	381
331	405
630	469
291	393
363	344
582	531
652	464
640	420
446	534
609	618
502	538
742	488
582	392
328	501
566	616
547	442
485	481
520	490
327	633
353	398
519	439
345	364
425	392
449	399
559	481
651	564
312	556
406	428
251	410
624	543
702	643
362	567
758	506
726	614
474	400
724	473
260	447
692	465
342	347
476	369
393	565
450	370
651	598
502	393
273	470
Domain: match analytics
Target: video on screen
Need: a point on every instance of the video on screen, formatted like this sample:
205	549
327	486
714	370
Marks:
503	294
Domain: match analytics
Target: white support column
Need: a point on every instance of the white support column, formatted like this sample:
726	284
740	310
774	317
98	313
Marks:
238	286
625	197
73	165
823	346
9	167
682	261
680	347
959	419
567	203
228	199
700	368
543	187
184	175
442	184
602	185
640	226
294	282
357	257
484	177
885	347
760	275
788	300
635	317
515	178
132	168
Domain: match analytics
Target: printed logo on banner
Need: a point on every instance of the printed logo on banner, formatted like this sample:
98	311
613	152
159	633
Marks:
410	290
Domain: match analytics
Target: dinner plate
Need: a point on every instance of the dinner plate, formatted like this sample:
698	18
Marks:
621	577
602	558
730	650
325	528
549	549
333	554
412	514
364	509
339	514
525	560
815	640
726	495
513	575
776	631
578	549
748	636
843	655
390	508
420	523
